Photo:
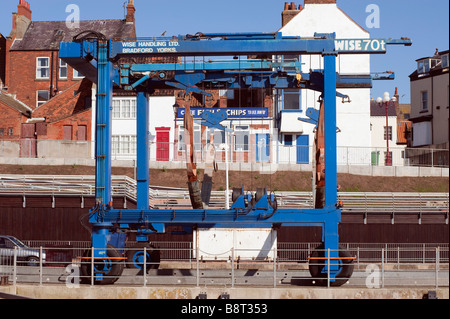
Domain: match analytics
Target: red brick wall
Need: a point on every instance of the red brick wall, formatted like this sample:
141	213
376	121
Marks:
68	108
22	79
10	118
55	130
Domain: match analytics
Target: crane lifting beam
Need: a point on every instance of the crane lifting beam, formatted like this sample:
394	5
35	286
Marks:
98	58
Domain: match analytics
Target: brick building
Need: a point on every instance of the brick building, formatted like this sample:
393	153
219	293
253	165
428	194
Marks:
430	111
57	99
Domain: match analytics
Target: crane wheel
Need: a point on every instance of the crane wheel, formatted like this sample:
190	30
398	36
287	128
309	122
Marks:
135	257
317	263
111	268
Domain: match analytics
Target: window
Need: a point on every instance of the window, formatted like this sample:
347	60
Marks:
424	100
43	68
288	140
197	138
77	75
116	109
42	97
290	58
241	138
125	147
445	61
133	146
219	137
6	243
390	133
423	66
124	109
115	145
62	69
124	144
291	99
10	131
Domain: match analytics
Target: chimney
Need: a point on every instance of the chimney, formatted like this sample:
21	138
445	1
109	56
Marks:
130	12
290	11
23	9
21	19
397	96
320	2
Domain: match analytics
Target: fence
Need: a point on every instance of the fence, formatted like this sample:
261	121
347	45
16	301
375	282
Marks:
379	265
410	203
289	252
272	152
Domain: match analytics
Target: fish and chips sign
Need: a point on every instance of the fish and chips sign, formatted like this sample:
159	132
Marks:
232	112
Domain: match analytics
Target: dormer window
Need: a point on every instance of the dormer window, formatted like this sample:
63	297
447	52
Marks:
424	65
445	61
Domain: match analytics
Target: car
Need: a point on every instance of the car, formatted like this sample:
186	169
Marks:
25	255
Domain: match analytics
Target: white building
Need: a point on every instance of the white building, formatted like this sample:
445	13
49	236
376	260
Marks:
124	135
276	136
378	132
353	119
161	127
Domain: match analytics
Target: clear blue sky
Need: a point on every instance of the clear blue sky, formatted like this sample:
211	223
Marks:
425	22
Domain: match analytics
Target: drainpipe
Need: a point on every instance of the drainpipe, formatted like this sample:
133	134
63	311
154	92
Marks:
51	75
432	109
57	74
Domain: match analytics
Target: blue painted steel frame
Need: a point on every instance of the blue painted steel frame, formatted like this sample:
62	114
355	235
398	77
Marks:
143	146
105	73
103	215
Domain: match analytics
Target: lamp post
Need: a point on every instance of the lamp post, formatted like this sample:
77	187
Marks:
224	146
176	107
386	100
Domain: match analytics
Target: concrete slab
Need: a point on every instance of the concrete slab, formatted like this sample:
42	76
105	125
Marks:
360	170
407	171
383	171
430	172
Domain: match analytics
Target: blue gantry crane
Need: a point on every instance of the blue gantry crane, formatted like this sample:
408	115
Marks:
102	61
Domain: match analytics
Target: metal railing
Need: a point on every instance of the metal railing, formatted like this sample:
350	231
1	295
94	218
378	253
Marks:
272	152
59	185
378	266
286	251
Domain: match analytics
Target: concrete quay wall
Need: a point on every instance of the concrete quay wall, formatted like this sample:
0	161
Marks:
247	293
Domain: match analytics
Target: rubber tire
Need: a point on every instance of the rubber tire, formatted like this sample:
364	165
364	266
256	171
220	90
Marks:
32	261
153	256
109	277
316	265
